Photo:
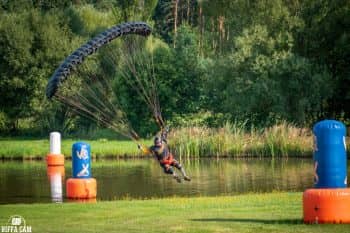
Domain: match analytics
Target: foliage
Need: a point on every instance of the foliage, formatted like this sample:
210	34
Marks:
325	38
88	21
256	62
264	81
31	45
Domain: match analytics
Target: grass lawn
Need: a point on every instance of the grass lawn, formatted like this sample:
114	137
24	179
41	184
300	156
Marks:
38	149
273	212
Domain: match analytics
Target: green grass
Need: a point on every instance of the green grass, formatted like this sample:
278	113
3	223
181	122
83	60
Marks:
38	149
273	212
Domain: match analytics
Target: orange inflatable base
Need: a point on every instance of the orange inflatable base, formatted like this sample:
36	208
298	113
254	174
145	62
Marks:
326	205
75	200
77	188
54	160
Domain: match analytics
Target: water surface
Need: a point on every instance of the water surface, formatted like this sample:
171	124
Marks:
28	182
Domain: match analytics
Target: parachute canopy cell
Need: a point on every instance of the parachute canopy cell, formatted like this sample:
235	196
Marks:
78	56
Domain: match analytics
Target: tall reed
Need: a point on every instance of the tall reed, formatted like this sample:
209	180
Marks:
234	140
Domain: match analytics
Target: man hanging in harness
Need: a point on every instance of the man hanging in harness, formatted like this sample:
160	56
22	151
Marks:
160	150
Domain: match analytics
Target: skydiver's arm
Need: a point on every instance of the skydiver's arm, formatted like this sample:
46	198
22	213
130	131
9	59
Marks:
145	150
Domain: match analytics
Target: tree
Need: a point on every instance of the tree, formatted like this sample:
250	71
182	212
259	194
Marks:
136	9
31	45
325	39
264	81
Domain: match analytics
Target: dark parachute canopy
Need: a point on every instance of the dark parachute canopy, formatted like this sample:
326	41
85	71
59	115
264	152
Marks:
91	100
78	56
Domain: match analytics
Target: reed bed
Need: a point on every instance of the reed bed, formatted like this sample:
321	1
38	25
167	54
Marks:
234	140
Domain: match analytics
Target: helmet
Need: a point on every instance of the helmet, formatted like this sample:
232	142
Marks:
157	140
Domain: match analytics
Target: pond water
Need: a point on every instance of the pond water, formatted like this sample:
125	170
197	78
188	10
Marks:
28	182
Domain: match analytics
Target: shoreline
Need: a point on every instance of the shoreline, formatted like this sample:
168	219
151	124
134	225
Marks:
130	157
37	149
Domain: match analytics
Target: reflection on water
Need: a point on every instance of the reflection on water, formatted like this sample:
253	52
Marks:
27	182
56	188
56	175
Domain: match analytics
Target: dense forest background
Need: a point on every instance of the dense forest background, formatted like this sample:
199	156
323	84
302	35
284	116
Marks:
253	61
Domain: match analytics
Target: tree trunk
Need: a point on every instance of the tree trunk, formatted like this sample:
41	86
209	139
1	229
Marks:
200	43
14	127
213	33
188	12
221	32
175	20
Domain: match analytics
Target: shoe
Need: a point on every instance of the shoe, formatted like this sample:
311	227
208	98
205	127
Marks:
187	178
178	179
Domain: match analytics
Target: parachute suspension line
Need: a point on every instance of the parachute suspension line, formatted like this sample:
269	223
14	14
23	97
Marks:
101	104
130	63
139	86
139	82
128	78
81	110
158	114
80	104
98	105
117	117
76	105
112	61
153	88
146	64
107	104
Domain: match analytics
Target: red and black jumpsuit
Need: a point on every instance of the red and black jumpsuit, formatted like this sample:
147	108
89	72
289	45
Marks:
165	158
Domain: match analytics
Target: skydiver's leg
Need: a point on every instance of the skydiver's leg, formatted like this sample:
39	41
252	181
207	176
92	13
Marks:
178	165
169	170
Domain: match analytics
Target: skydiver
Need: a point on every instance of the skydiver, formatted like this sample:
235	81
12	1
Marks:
160	150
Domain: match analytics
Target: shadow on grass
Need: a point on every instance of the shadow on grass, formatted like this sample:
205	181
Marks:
264	221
